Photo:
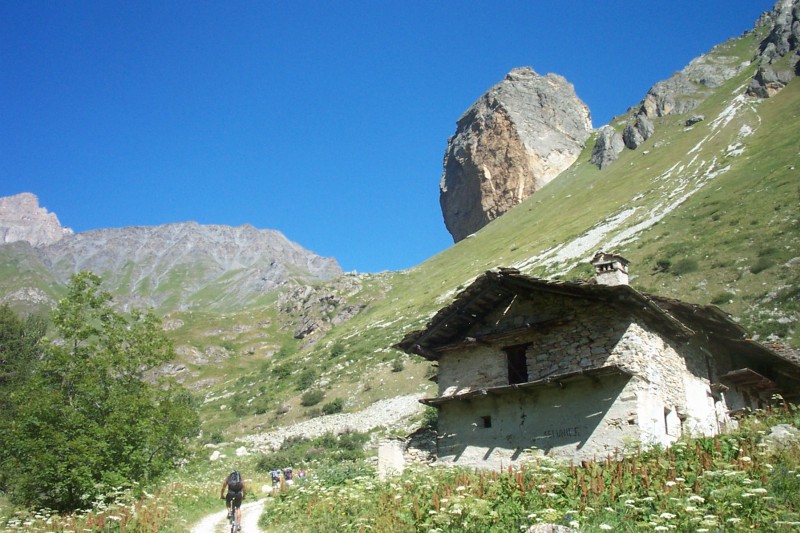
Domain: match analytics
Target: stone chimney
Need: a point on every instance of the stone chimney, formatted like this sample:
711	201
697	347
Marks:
610	269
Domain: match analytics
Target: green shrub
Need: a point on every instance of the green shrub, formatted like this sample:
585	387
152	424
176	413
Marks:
337	349
684	266
430	417
722	298
282	371
762	263
663	265
306	379
334	406
397	365
352	440
312	397
326	449
284	352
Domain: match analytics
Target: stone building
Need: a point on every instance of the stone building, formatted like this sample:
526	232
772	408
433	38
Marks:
582	369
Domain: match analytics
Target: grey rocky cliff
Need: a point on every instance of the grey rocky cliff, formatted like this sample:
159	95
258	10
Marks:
607	147
517	137
313	310
21	219
779	56
779	62
171	267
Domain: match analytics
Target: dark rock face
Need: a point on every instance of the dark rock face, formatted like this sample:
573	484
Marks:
637	132
778	53
607	147
517	137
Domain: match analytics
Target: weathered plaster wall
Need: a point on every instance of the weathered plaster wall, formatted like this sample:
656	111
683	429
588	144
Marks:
587	418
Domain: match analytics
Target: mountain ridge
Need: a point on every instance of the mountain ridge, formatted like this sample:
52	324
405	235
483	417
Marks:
178	265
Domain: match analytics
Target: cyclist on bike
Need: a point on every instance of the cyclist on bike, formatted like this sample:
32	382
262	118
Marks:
236	493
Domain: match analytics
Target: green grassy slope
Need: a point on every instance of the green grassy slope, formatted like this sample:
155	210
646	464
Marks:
707	214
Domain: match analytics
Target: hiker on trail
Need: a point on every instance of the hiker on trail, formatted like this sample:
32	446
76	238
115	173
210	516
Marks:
236	493
275	474
287	475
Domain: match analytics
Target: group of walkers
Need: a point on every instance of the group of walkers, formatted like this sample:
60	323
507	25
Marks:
288	476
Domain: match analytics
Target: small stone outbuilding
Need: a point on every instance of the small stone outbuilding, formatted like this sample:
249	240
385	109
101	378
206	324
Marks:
583	369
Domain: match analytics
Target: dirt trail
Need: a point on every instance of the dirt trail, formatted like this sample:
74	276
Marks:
218	523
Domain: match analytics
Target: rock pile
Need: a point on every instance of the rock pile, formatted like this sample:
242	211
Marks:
390	413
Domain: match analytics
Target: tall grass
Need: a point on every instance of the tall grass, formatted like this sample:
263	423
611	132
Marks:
725	483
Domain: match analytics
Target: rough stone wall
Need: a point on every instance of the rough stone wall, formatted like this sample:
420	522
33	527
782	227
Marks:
462	371
586	340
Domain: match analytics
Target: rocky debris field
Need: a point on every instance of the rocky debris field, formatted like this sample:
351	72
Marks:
390	413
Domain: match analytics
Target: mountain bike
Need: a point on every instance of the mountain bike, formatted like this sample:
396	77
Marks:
234	520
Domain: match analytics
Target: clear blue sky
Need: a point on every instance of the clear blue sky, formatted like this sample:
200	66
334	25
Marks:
324	120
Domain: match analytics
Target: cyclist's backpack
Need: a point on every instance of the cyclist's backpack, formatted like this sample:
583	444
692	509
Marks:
235	481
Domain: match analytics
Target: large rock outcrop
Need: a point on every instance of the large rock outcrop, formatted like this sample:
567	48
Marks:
517	137
778	54
21	219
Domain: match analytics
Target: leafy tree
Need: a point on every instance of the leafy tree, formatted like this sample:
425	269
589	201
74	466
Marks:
86	419
19	345
19	352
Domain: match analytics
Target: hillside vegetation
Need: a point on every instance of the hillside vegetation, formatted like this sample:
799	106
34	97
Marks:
708	214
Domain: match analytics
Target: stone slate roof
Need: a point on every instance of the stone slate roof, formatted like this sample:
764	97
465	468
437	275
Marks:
679	320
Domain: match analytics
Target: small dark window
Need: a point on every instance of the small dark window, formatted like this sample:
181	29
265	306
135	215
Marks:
487	421
517	363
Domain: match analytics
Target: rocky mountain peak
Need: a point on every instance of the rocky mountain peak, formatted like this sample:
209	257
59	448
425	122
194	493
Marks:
517	137
172	266
21	219
778	58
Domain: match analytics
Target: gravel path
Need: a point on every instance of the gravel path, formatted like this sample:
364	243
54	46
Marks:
218	522
392	412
